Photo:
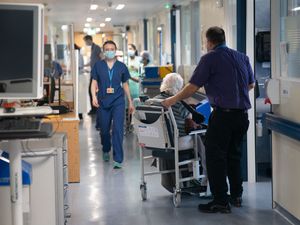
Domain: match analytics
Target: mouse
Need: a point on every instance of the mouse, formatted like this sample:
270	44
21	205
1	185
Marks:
9	110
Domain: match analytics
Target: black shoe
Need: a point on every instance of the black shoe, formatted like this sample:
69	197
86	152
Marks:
213	207
92	112
236	202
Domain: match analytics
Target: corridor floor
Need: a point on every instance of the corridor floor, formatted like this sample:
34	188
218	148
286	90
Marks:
112	197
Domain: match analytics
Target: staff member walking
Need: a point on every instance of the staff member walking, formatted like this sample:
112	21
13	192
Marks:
95	56
110	81
227	78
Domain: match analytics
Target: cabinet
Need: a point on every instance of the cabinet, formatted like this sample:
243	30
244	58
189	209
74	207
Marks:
48	157
69	124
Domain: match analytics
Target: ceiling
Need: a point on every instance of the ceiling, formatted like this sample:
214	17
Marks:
76	11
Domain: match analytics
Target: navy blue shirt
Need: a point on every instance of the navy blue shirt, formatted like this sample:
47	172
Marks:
226	75
120	74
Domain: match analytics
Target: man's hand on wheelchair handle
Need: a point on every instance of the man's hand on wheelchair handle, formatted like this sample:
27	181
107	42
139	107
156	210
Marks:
169	102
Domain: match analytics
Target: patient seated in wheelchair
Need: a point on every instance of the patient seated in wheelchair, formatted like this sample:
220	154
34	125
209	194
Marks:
171	85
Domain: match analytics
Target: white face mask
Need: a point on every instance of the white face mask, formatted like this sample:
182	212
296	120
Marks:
110	54
131	53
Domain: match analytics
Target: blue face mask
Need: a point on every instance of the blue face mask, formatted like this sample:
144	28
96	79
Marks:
110	54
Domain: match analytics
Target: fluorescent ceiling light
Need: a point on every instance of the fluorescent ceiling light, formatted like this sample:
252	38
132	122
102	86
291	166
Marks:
89	19
98	29
64	27
108	19
120	6
91	32
85	30
296	9
102	24
87	25
103	35
93	7
159	28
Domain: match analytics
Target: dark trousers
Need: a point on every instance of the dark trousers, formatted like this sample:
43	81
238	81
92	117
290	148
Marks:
94	109
113	116
223	154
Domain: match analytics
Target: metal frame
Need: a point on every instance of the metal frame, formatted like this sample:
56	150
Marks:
194	161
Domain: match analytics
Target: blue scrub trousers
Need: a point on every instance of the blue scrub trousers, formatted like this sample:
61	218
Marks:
112	116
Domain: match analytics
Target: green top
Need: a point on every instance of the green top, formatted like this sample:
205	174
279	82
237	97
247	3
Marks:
134	87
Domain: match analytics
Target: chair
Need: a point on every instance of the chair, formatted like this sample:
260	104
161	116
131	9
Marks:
157	131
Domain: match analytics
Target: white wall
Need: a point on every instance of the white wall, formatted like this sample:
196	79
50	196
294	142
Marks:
161	18
210	16
222	16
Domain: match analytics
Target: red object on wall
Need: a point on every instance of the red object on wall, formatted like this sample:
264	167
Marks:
45	39
268	101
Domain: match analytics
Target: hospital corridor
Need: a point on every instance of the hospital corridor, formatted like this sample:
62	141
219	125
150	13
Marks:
107	196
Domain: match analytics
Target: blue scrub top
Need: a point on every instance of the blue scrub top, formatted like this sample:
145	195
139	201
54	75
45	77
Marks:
120	74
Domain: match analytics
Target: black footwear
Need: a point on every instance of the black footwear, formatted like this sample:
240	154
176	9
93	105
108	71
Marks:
214	207
236	202
92	112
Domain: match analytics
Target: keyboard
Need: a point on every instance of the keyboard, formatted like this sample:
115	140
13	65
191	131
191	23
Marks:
20	125
28	111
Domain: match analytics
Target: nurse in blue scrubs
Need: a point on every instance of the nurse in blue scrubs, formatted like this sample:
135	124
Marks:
110	83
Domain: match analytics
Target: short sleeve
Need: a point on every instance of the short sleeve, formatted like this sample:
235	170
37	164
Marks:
250	72
202	72
125	74
94	73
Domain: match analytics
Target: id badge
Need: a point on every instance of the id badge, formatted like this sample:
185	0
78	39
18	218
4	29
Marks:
110	90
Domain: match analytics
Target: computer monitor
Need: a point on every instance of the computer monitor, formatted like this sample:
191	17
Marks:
21	51
60	51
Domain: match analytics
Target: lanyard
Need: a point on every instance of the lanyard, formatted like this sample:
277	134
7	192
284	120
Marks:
110	74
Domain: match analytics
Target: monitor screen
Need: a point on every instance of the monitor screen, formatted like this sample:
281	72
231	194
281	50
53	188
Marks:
16	55
60	51
20	53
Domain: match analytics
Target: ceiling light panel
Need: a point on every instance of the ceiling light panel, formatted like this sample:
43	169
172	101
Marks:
120	6
93	7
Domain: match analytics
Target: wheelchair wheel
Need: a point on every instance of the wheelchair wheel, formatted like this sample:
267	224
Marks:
143	189
176	198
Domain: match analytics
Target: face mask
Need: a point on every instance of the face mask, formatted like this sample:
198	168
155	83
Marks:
131	53
110	54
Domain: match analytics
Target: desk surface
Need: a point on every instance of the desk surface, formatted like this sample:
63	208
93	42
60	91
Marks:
69	123
71	116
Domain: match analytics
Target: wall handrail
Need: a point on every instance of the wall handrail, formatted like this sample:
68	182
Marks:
283	126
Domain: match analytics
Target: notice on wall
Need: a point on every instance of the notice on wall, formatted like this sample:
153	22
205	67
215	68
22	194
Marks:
148	131
285	89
